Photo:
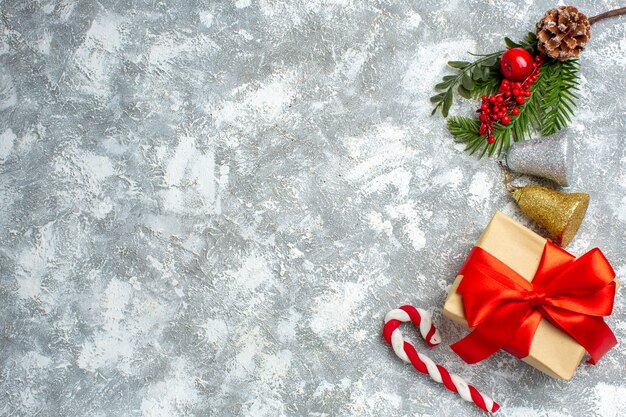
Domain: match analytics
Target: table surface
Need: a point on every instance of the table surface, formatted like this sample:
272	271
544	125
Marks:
207	208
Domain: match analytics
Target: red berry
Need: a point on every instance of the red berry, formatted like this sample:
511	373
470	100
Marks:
527	93
506	119
499	99
516	92
487	111
537	58
484	106
538	72
517	85
485	98
483	117
516	64
492	99
520	100
515	111
483	129
494	116
491	139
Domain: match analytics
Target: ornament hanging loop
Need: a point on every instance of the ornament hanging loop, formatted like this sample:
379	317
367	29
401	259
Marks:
508	180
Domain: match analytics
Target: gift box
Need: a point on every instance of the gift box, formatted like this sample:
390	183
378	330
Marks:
521	293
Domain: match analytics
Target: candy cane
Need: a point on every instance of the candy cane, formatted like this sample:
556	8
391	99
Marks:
424	364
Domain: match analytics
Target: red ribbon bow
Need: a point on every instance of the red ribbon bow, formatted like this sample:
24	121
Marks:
505	309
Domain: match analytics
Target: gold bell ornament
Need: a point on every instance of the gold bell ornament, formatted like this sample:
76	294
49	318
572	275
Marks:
560	214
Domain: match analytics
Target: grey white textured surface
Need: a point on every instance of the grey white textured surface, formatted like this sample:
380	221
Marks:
206	208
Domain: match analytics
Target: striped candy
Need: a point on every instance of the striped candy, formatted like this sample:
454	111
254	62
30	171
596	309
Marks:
424	364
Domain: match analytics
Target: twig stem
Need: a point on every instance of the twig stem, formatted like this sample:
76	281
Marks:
610	13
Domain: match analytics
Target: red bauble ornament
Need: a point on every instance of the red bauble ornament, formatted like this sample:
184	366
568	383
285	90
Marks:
516	64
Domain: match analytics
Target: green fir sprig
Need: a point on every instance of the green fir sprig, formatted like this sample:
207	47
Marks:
558	94
547	110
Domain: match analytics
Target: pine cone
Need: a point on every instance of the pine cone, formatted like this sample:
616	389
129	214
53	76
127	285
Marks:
563	32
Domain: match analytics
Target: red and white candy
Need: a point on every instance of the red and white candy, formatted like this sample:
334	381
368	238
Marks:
424	364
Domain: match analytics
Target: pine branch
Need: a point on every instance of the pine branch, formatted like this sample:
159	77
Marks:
558	94
520	127
465	130
548	109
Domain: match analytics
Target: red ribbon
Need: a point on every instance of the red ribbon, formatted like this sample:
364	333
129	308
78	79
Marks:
505	309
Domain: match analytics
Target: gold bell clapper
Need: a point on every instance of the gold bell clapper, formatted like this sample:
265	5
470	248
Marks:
560	214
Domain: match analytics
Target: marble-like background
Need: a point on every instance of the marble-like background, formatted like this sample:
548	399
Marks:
207	207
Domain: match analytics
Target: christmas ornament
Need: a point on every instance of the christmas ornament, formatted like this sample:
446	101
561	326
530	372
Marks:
549	158
560	214
520	95
516	64
424	364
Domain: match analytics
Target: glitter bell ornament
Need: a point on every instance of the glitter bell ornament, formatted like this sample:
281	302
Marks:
549	158
560	214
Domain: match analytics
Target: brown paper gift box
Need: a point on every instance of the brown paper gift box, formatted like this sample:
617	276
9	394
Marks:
552	351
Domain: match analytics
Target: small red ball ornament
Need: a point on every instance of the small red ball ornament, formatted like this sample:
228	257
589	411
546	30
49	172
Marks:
516	64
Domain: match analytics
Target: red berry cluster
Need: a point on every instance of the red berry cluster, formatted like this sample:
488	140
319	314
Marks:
499	107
